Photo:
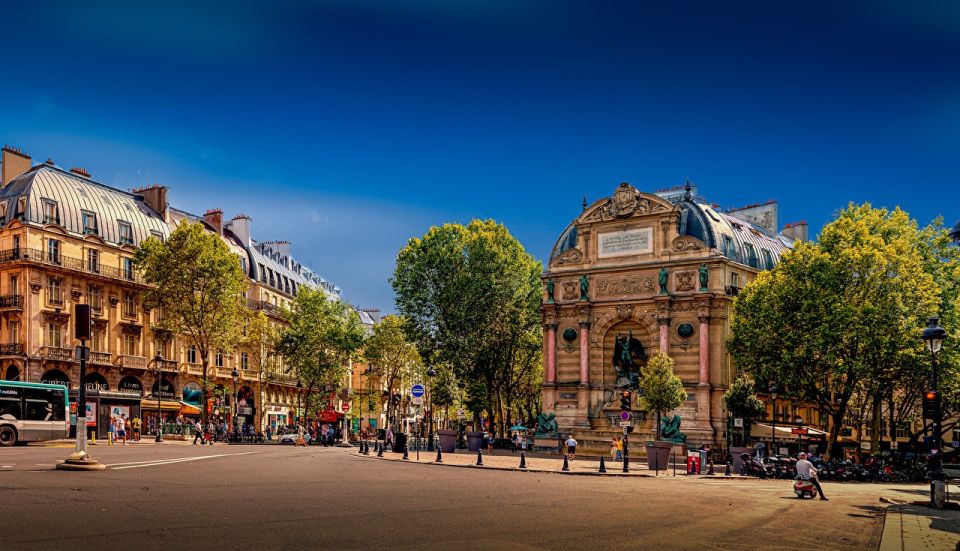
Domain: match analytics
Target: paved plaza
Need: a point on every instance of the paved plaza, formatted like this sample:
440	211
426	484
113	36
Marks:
273	497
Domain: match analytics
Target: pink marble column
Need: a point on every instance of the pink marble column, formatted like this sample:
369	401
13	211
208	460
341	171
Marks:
584	353
704	350
551	375
664	335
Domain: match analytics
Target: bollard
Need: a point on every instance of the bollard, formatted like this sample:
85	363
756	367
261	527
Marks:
479	458
439	455
603	468
726	471
523	460
566	465
380	451
406	454
93	436
710	468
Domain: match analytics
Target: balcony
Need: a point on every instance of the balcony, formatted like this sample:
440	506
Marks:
262	305
11	349
101	358
57	353
169	365
134	362
250	374
194	369
11	302
68	263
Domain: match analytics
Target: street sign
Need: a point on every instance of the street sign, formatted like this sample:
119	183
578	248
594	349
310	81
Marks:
345	407
417	400
625	416
955	443
799	430
626	424
417	391
738	422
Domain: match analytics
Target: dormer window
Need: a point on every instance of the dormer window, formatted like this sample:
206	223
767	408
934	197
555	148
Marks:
767	259
126	232
3	210
21	206
89	223
51	212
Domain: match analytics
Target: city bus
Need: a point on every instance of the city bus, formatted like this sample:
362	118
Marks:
31	412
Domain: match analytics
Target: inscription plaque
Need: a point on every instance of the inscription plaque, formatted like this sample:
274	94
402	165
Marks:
623	243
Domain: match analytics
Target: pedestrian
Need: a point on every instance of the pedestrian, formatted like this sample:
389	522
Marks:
300	439
613	449
388	440
491	440
111	430
197	432
619	456
806	471
515	440
571	447
136	424
122	428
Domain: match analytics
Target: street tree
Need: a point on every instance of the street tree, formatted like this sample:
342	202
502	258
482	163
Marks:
392	357
662	390
258	341
741	402
321	338
199	285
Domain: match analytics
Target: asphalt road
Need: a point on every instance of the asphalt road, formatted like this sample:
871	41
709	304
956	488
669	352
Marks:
269	497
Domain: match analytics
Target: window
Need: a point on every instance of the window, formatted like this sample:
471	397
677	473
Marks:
93	261
192	354
54	292
728	249
734	279
767	259
751	255
21	206
219	359
902	431
11	407
53	251
244	360
163	347
263	273
13	287
956	435
98	339
3	209
94	299
54	335
156	235
129	305
130	344
273	282
89	223
13	332
126	232
243	265
51	213
128	268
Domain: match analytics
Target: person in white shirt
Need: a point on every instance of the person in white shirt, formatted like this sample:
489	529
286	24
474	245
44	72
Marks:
806	471
571	447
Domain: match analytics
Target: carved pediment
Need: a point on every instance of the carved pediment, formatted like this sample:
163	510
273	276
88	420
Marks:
570	256
626	201
625	286
687	243
59	318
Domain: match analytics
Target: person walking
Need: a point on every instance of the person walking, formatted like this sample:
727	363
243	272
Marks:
619	456
135	424
613	449
122	428
211	430
571	447
300	439
197	432
806	471
111	430
491	440
388	440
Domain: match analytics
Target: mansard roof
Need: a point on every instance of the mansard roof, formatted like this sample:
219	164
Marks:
74	195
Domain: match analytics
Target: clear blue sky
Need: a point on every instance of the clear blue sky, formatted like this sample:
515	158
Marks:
348	126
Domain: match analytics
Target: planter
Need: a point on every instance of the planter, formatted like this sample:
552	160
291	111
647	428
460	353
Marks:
448	440
475	441
658	455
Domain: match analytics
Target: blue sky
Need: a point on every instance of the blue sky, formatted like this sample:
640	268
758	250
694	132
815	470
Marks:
349	126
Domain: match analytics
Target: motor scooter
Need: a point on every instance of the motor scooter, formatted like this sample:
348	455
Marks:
752	466
804	488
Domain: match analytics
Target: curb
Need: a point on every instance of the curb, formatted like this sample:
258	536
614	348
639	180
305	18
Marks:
515	469
891	536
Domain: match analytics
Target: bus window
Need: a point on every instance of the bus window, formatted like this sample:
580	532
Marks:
10	407
37	410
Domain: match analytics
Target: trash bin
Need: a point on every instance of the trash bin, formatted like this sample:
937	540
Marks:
693	462
381	434
474	441
399	441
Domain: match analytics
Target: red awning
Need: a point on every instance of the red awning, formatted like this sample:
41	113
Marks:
328	416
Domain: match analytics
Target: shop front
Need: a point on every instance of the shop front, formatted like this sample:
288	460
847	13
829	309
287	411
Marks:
277	416
102	407
246	406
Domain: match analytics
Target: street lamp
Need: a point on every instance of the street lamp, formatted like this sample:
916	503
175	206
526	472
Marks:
299	393
236	376
157	376
933	335
461	385
773	397
430	375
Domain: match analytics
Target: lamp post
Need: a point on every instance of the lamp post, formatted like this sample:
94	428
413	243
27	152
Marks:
156	375
236	376
461	385
430	375
773	398
299	394
933	335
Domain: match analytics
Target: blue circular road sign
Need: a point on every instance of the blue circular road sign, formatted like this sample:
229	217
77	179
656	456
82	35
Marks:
417	391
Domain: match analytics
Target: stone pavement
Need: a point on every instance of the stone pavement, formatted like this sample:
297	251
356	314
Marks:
910	527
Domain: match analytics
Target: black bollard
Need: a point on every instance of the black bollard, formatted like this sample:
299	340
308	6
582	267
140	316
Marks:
380	451
406	454
361	448
726	471
523	460
479	458
710	468
566	465
439	455
603	467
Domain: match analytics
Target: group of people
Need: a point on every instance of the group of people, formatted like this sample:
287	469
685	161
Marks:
121	427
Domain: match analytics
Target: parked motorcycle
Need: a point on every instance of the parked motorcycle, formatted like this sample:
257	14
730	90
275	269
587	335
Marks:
751	466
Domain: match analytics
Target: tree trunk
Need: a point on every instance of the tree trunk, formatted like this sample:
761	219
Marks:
833	450
204	358
875	423
658	426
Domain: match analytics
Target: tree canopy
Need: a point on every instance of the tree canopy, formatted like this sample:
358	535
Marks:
393	358
661	388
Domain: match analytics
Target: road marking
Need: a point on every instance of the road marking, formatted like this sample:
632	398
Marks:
158	462
6	466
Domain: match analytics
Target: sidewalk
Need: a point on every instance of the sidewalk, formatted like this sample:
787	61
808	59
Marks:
909	527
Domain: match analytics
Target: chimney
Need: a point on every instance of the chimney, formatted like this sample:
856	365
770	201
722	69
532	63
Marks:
798	231
155	197
282	247
80	172
214	217
15	163
240	226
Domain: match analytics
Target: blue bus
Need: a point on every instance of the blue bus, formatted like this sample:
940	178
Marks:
31	412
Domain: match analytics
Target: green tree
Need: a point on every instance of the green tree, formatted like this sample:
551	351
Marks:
838	316
258	340
199	285
742	402
471	295
322	336
661	389
393	358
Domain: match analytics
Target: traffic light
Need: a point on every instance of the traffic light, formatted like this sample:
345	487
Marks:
625	401
931	404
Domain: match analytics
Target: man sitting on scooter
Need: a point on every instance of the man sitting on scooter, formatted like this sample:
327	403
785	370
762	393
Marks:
806	471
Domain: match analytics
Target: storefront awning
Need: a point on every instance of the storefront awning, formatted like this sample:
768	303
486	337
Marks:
761	430
165	405
189	409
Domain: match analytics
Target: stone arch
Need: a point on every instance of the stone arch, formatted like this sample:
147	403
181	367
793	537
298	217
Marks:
13	373
639	331
55	376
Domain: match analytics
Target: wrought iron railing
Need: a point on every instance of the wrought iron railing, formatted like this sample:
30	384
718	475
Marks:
138	362
101	358
168	365
69	263
11	301
14	349
264	306
57	353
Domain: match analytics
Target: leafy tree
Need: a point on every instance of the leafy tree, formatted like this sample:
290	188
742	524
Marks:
259	339
199	285
661	388
838	316
471	295
322	336
392	358
742	402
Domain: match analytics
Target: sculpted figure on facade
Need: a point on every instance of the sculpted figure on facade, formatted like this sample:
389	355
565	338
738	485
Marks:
704	277
584	287
550	287
663	276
